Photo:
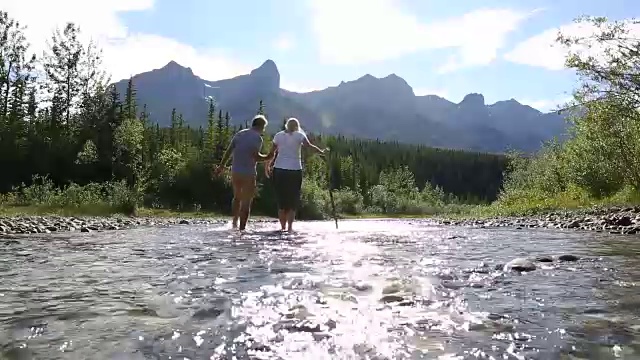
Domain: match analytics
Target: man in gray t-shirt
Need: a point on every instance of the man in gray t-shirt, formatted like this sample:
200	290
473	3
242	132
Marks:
244	145
245	150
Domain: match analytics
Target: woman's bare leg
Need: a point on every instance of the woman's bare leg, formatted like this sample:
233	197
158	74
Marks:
282	217
290	217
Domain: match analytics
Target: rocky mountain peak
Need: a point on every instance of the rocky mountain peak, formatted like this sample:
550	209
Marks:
267	75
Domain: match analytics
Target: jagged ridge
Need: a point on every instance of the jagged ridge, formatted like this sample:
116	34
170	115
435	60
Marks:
371	107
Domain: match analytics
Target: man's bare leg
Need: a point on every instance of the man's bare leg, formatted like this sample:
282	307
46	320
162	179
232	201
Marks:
248	192
245	211
235	211
237	185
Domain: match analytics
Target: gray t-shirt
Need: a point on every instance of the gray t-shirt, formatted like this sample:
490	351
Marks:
244	144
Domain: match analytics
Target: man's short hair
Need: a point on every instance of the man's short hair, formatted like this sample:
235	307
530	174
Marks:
259	121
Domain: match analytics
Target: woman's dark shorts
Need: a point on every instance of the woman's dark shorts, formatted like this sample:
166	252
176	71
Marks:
287	184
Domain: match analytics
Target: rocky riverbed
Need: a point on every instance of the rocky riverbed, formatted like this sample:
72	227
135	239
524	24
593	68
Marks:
371	289
611	220
50	224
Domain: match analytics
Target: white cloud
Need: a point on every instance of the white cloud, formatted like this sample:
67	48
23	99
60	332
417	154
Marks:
542	50
545	105
283	43
125	53
143	52
361	31
299	88
430	91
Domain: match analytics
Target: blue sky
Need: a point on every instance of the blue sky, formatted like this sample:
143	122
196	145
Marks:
448	48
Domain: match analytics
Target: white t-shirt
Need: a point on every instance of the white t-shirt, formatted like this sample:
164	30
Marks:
289	155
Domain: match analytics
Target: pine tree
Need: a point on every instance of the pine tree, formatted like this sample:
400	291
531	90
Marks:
181	133
210	141
62	64
130	106
173	131
108	129
220	137
32	105
15	65
261	109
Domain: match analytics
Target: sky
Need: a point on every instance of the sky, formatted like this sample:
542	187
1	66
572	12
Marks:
501	49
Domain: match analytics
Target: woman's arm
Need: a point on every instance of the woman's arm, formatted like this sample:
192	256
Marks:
308	143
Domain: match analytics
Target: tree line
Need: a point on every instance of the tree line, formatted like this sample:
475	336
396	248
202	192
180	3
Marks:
600	162
64	126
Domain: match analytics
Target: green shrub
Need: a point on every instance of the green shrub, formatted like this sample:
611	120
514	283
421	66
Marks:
314	201
42	192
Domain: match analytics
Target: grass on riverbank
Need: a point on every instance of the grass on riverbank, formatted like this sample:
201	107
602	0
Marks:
42	197
106	211
98	210
94	199
113	199
526	203
527	207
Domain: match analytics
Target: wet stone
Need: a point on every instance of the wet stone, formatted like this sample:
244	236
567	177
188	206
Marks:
406	302
303	326
520	265
299	312
391	298
545	259
361	286
568	257
208	313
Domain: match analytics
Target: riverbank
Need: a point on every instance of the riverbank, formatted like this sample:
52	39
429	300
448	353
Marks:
30	220
44	220
44	224
613	220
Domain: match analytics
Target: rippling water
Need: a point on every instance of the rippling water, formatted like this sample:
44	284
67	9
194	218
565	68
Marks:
371	290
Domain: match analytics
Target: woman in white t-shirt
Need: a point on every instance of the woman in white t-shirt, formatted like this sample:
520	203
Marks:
287	169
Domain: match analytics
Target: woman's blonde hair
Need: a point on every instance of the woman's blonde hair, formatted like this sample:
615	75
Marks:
292	125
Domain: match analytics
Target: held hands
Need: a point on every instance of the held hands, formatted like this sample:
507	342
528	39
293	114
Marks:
268	170
324	152
217	171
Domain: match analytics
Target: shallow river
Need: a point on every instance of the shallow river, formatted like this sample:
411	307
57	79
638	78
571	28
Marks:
371	290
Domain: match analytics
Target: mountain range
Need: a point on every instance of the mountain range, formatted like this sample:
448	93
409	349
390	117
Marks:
368	107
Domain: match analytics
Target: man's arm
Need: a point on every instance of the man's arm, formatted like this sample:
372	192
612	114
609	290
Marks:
262	157
225	158
269	163
227	153
259	157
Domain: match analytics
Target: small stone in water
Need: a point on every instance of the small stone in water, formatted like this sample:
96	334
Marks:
568	257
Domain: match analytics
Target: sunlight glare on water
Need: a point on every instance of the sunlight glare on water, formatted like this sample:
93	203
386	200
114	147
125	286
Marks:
372	289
